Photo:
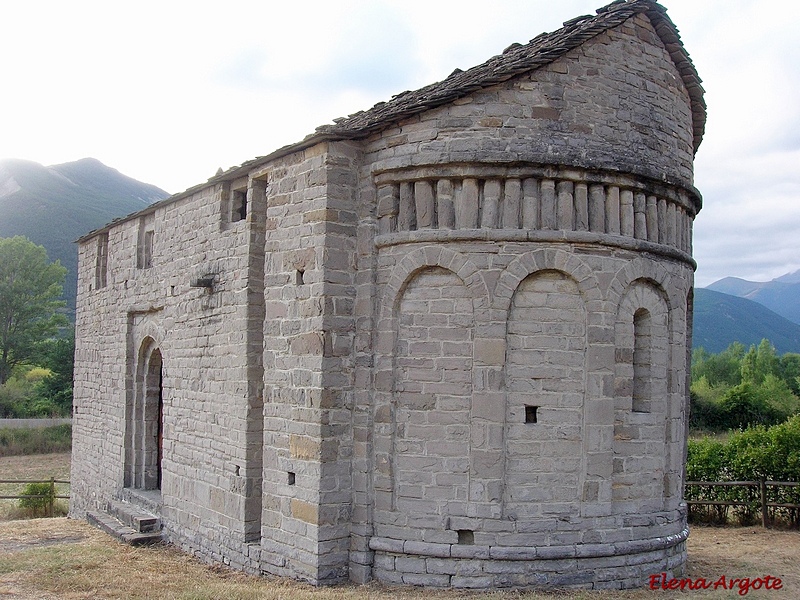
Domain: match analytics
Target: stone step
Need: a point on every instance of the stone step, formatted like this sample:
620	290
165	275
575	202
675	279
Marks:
134	517
122	532
146	500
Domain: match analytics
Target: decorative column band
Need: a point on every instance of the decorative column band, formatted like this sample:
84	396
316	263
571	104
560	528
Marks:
548	200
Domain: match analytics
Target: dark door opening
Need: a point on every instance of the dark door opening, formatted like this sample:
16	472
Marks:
160	434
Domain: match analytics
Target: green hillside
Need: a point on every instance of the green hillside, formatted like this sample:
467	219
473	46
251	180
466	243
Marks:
53	206
721	319
781	295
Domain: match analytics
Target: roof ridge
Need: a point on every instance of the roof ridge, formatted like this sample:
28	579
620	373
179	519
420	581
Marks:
515	59
520	58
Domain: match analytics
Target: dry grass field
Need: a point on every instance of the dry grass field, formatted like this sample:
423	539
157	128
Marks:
28	468
62	558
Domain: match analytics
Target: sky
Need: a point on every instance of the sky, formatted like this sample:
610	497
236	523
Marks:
169	91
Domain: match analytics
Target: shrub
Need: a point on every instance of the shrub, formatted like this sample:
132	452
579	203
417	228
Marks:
757	453
41	497
704	411
13	396
741	406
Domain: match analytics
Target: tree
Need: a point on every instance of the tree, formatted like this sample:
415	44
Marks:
30	296
55	390
759	362
723	368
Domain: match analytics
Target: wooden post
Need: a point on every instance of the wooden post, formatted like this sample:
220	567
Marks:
52	498
764	510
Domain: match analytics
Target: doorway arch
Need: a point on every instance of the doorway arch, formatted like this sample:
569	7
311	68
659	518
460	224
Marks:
145	421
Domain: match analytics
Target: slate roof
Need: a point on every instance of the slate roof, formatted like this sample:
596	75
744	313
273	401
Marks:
518	59
515	60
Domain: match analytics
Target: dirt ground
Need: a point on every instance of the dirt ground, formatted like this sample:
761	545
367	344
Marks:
62	558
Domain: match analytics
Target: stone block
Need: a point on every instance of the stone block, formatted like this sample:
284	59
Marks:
428	579
489	351
467	582
305	511
409	564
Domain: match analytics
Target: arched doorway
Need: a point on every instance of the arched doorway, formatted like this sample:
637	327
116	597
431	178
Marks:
145	422
153	421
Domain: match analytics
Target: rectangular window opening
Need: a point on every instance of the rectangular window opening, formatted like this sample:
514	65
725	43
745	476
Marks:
531	414
466	537
291	478
147	260
238	205
144	249
642	361
101	264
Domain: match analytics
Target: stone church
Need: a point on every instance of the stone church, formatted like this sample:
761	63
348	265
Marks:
443	341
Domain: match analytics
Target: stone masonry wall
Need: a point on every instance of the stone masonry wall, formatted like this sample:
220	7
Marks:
453	353
557	208
208	478
617	103
308	336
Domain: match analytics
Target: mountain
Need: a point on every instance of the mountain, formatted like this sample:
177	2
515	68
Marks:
53	206
721	319
782	294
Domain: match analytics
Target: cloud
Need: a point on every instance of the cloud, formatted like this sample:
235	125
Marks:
167	92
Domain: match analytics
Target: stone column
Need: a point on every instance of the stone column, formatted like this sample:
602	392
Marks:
511	204
444	204
531	201
566	206
639	218
424	204
388	196
467	205
548	198
406	218
597	208
613	224
491	204
581	207
626	215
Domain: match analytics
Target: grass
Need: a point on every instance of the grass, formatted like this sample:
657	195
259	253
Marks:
41	440
29	468
62	558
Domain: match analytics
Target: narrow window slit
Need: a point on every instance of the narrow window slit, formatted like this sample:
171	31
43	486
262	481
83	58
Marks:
239	205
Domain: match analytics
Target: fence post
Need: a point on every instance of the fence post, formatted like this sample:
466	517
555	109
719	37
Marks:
764	510
52	497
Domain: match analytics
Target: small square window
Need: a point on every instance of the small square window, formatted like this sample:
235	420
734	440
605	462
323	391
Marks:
466	537
531	414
